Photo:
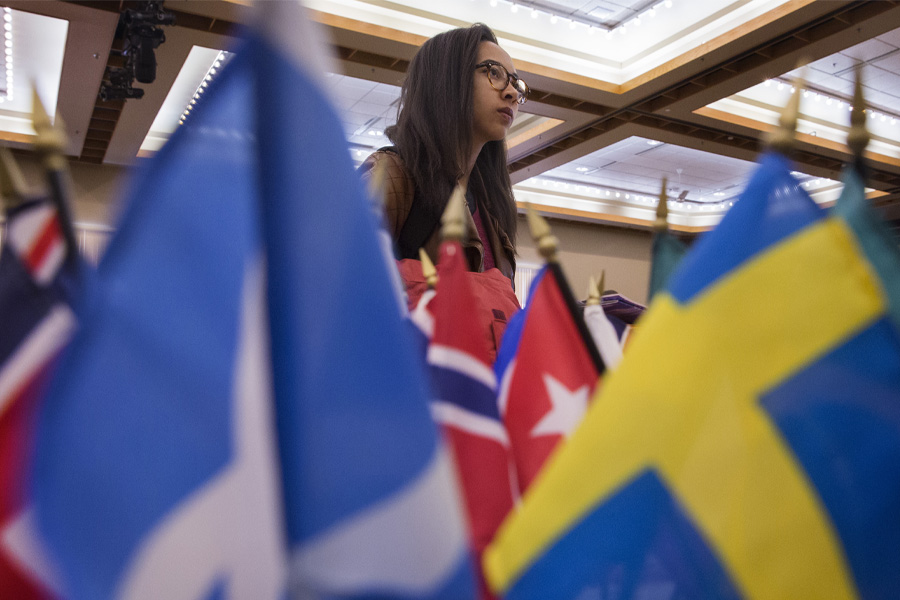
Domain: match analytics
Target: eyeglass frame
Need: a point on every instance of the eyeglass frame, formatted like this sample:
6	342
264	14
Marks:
511	78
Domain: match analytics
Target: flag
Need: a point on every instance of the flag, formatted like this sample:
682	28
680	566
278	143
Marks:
548	368
872	235
37	285
666	253
465	400
750	445
605	334
241	414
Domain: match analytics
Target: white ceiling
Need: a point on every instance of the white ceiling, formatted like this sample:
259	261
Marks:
35	46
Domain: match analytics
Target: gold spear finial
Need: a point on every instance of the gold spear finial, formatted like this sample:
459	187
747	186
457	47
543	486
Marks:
540	230
662	209
593	298
428	270
50	141
858	137
783	138
454	218
602	285
12	183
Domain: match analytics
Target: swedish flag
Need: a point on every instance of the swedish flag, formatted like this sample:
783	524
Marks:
749	445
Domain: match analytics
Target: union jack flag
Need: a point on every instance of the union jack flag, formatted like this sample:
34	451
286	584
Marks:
36	288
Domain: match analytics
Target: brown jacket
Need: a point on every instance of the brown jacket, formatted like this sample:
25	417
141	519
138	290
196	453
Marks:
398	199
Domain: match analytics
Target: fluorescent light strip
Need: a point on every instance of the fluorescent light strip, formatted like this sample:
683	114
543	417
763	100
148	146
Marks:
204	84
628	197
8	49
589	27
830	100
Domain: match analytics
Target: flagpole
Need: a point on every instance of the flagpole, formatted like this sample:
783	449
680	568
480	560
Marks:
49	144
783	138
12	183
428	270
548	246
858	137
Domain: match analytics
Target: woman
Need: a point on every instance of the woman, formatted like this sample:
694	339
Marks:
459	99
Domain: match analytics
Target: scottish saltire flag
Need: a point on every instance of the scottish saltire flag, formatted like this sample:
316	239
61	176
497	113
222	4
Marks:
548	367
465	401
37	284
231	420
750	444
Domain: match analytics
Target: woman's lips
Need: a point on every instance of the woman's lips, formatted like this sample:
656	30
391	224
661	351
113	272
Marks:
506	112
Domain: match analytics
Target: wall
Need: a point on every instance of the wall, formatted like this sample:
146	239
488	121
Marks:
95	190
586	249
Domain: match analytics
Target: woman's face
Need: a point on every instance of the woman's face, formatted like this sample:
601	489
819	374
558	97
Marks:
493	110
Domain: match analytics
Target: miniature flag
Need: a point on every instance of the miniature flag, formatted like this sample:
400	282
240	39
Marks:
37	285
605	335
750	445
548	369
465	401
665	256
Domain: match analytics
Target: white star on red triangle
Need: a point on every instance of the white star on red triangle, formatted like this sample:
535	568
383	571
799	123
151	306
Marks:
567	411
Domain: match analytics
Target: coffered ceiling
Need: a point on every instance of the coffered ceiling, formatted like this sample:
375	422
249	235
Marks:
625	92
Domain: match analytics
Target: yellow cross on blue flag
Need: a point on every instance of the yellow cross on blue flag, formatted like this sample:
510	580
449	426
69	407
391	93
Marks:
749	444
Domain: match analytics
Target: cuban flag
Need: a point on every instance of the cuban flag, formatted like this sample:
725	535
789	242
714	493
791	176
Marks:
36	288
232	421
548	368
465	400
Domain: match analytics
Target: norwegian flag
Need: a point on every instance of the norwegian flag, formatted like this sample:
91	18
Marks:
464	404
36	286
548	367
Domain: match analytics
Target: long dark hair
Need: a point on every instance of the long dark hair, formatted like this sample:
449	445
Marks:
433	133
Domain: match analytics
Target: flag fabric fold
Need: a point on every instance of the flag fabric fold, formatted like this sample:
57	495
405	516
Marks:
230	421
750	444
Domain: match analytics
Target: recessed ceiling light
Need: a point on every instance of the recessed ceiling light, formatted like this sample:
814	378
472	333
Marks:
582	169
653	143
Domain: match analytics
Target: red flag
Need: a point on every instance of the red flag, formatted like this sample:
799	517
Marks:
546	387
465	401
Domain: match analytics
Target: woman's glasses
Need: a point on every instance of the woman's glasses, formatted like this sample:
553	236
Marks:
500	78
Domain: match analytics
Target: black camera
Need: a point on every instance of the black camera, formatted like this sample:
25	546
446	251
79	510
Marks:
141	34
119	87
